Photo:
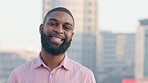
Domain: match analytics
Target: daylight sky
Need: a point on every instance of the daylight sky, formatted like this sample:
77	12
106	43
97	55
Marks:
122	15
20	19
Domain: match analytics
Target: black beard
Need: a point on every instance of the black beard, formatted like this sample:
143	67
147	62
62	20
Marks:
53	50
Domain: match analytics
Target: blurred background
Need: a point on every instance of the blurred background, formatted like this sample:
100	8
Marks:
111	36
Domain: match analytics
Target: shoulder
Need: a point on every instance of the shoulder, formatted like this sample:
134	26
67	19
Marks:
75	66
17	73
25	67
81	71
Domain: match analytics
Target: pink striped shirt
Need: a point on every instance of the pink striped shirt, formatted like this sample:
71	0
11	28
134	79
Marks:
36	71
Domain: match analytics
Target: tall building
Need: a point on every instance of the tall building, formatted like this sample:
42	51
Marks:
117	59
83	48
141	61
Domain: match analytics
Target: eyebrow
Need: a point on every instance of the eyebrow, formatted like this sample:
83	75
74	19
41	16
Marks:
53	19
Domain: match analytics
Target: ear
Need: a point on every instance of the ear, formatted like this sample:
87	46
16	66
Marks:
41	28
72	34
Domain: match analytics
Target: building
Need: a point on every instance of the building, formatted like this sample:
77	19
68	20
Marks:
11	58
141	60
117	59
84	45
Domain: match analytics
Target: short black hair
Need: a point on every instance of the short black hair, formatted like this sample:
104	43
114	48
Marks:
63	9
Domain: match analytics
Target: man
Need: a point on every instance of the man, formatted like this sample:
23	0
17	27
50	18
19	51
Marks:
53	64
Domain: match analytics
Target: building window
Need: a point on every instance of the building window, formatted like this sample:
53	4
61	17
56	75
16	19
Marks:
89	12
89	28
89	19
89	4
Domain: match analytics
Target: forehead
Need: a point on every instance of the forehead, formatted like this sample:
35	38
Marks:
60	16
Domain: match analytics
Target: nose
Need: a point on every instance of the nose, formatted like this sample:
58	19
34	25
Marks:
59	29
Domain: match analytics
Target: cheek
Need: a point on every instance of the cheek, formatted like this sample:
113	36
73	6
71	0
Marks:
69	36
47	30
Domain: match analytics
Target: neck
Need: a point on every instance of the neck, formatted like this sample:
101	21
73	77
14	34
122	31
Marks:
51	61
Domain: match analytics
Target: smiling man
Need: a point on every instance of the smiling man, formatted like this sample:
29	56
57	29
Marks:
53	64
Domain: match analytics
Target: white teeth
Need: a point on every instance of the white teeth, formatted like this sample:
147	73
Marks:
55	38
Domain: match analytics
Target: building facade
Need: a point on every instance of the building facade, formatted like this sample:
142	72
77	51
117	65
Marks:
117	59
141	60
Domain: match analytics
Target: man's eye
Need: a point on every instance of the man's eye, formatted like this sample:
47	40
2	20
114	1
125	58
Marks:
52	24
68	28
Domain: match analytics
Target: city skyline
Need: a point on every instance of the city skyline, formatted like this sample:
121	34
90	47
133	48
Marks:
21	17
111	52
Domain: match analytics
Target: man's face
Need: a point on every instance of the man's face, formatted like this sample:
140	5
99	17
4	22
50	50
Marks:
57	32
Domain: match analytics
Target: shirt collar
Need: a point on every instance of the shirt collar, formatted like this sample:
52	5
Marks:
65	63
38	62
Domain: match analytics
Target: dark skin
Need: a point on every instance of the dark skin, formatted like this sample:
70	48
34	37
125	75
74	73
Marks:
60	23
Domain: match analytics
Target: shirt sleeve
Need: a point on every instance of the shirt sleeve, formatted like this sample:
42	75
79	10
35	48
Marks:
12	77
91	78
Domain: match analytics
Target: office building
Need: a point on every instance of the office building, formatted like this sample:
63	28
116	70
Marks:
141	60
117	59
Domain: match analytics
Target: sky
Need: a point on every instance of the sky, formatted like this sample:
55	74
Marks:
122	16
20	19
19	23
